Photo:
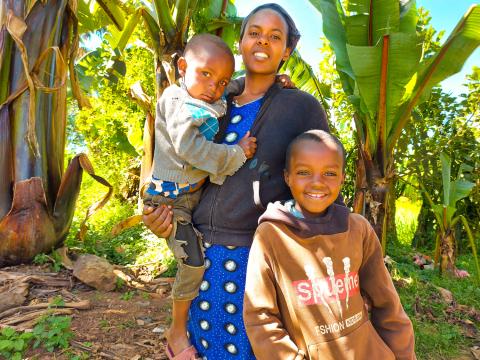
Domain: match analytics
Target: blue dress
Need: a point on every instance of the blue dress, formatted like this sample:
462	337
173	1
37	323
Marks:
216	323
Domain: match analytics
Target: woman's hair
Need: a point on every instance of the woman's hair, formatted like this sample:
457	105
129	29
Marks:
293	33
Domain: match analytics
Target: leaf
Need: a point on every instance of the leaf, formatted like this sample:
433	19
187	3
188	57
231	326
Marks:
114	12
127	32
19	344
449	60
408	16
165	20
304	78
68	193
404	54
438	209
366	65
356	28
153	29
5	344
333	20
460	189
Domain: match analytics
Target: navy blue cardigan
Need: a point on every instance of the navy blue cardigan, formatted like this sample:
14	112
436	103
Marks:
228	214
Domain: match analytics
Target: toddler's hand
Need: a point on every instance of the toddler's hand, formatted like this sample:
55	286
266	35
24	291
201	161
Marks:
248	145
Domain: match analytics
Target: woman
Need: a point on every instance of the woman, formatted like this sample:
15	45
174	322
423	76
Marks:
227	215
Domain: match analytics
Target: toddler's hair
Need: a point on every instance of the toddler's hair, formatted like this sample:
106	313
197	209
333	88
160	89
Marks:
320	136
200	42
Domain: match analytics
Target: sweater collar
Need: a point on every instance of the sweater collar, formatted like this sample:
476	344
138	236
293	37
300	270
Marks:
334	221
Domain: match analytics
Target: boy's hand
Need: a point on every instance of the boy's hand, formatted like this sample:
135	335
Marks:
285	81
248	145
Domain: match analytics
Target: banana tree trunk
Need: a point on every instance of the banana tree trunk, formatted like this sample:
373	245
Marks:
391	227
376	199
37	199
447	252
360	186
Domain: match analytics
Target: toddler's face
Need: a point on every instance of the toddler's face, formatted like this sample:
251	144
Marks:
315	175
206	74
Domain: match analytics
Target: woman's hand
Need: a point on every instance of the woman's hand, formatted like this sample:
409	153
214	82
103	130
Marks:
158	220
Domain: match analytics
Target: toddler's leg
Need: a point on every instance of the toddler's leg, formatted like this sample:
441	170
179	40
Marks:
189	276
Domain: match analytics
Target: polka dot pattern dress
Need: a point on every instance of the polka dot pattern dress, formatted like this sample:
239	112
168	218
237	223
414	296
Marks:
216	323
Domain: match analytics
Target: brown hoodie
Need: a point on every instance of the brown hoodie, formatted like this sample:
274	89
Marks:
304	287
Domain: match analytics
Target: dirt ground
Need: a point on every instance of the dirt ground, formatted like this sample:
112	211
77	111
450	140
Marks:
124	325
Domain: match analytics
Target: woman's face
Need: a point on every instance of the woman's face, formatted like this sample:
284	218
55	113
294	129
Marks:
264	43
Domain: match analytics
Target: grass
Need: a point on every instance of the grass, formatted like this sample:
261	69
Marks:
136	246
439	332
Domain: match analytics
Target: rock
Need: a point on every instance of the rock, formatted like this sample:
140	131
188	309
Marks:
143	303
95	271
476	352
159	330
145	319
446	295
140	322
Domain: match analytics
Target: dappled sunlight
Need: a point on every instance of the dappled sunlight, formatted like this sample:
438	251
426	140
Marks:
406	219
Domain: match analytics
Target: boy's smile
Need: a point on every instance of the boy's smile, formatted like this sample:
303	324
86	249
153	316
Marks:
314	175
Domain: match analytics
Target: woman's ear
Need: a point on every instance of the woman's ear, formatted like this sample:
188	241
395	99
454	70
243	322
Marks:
182	66
286	54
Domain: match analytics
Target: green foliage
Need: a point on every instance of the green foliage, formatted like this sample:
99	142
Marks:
54	259
128	295
13	344
438	334
111	131
406	220
53	332
209	18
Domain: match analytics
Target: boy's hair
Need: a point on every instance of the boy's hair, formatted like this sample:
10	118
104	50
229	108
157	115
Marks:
319	136
200	42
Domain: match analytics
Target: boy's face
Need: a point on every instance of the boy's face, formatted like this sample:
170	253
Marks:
315	175
206	74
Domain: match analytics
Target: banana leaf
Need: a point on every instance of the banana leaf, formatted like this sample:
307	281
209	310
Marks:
461	43
302	74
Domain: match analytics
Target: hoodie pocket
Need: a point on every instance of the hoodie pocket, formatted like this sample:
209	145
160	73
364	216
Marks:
362	343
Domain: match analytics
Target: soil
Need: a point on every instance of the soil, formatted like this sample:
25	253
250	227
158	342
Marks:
124	325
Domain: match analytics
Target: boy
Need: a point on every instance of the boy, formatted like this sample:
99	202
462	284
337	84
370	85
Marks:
311	265
185	125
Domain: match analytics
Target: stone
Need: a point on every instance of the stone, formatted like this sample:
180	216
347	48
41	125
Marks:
95	272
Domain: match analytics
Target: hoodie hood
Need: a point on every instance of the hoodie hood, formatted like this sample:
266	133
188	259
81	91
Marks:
334	221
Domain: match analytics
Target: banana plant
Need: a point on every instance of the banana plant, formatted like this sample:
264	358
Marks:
304	78
445	214
37	195
385	74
